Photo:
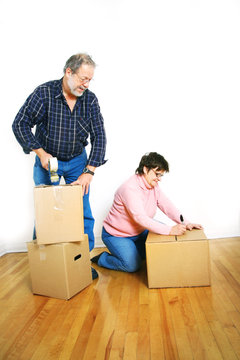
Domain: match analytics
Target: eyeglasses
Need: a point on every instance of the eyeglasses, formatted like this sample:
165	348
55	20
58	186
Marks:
158	174
82	80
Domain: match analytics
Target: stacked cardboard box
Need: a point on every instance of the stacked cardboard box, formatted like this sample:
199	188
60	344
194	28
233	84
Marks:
59	259
178	261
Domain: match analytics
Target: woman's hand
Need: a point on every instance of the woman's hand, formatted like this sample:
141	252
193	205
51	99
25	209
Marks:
178	229
194	226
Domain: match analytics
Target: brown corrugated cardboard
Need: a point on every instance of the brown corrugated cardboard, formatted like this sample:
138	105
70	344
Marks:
178	261
60	270
58	213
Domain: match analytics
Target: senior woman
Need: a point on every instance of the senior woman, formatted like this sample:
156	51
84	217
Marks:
126	226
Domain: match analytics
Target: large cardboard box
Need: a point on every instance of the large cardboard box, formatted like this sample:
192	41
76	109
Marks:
59	270
58	213
178	261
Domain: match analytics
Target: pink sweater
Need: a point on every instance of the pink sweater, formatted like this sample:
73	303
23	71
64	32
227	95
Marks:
135	204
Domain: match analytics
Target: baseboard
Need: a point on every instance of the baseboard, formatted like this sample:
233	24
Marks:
22	247
98	242
2	252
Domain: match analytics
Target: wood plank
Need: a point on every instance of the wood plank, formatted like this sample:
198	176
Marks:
226	286
133	307
130	347
175	300
100	339
119	335
85	332
211	350
80	306
220	322
34	330
169	340
224	345
155	328
143	345
191	324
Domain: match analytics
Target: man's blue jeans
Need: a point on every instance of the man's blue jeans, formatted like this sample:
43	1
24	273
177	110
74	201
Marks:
127	253
70	171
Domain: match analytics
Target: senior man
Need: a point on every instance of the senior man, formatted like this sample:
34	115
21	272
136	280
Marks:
65	113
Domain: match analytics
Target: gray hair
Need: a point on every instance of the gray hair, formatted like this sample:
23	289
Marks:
75	61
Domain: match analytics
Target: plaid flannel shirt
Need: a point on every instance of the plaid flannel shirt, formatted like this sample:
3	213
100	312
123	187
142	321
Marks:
60	132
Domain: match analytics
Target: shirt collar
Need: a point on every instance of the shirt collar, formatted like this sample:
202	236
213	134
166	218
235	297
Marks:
59	91
58	88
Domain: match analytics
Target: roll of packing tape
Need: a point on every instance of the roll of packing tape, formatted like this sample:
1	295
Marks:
53	167
53	164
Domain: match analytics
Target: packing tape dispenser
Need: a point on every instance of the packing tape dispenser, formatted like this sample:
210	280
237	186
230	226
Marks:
53	167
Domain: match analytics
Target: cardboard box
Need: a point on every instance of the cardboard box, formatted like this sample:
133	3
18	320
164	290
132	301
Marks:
58	213
60	270
178	261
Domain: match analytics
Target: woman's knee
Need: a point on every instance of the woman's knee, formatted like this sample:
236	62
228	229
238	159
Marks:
132	265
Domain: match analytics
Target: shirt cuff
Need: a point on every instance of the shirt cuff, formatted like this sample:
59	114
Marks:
96	163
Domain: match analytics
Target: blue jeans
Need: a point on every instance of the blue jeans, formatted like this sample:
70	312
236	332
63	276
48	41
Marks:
127	253
70	170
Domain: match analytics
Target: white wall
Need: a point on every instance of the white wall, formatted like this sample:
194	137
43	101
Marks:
167	80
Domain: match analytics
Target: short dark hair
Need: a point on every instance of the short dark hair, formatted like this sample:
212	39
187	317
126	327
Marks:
152	160
75	61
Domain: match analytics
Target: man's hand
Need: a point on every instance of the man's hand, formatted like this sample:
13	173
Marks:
178	230
194	226
83	180
43	156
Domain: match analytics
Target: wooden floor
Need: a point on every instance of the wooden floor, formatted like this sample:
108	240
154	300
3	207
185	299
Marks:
118	317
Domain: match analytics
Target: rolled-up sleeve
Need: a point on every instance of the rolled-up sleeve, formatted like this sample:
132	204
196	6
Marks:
28	116
97	136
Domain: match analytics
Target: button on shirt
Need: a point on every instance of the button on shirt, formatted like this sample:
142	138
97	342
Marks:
60	132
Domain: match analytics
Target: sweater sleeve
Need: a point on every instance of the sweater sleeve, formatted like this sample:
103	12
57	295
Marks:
168	208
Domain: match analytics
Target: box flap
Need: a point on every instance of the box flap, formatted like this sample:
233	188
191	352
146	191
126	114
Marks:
194	234
43	186
156	238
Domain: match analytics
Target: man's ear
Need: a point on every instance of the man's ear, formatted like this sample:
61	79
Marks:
68	72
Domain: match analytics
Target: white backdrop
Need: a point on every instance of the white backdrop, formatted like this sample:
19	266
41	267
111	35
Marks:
167	80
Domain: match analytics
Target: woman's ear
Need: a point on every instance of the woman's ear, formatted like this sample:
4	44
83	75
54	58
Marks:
145	170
